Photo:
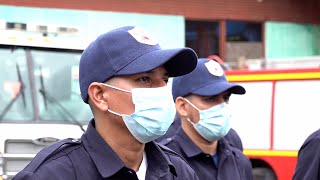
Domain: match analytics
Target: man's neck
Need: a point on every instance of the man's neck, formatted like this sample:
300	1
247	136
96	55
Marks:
206	146
129	150
131	154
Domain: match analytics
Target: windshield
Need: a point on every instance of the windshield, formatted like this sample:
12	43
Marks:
41	84
57	86
15	94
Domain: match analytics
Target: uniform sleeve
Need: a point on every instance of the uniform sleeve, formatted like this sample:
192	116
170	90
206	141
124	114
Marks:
308	161
57	169
25	175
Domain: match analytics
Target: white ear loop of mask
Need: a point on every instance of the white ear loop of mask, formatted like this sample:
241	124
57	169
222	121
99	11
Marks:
123	90
113	87
191	122
192	104
193	107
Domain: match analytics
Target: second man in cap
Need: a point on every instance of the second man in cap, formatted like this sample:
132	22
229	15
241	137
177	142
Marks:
201	99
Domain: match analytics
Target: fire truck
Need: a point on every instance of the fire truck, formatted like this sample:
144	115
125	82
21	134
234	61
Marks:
278	112
40	101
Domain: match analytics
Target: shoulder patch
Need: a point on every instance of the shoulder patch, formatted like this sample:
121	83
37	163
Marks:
51	150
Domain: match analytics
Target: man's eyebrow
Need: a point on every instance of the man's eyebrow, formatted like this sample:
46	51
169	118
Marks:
213	96
166	75
152	71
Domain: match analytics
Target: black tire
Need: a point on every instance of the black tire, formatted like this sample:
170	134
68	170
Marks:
262	173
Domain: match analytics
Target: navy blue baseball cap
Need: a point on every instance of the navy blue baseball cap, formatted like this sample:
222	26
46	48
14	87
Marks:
129	50
207	79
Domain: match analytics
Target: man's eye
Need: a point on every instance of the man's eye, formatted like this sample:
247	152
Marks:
144	79
212	98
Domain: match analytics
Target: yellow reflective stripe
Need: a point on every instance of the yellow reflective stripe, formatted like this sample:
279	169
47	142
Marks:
264	77
270	153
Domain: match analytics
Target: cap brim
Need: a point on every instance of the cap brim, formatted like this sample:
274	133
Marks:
176	61
217	88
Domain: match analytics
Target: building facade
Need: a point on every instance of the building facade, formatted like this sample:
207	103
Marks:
233	29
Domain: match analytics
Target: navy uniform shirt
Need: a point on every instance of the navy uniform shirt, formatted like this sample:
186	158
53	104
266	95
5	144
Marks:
92	158
308	164
229	163
232	135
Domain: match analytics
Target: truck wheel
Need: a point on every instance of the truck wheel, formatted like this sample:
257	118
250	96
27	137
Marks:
263	174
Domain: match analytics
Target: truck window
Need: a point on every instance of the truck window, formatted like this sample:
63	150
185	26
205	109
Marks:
57	85
15	94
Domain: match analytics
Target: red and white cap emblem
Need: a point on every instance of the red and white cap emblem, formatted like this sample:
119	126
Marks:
142	37
214	68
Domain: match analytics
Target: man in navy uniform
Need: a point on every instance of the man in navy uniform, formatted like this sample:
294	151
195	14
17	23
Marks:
201	99
122	75
232	136
308	164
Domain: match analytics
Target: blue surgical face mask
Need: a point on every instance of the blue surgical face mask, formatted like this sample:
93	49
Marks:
153	115
214	123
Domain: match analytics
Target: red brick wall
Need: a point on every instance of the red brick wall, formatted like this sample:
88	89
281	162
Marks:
266	10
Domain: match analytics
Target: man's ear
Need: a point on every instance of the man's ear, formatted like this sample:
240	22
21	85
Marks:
98	96
181	106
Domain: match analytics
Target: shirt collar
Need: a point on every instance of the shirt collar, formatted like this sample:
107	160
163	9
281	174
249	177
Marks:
189	148
106	160
224	147
108	163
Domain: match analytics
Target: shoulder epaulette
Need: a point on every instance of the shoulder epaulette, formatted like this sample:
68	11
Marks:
167	150
49	151
165	141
